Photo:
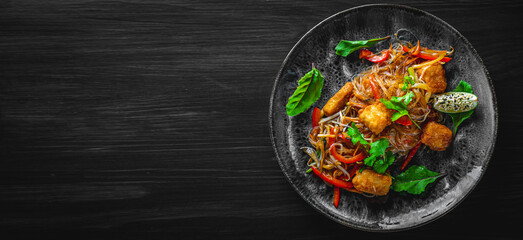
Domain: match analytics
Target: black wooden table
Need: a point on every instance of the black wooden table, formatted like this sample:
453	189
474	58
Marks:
150	117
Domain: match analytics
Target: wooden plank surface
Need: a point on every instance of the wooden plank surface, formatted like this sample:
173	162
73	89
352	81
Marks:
151	117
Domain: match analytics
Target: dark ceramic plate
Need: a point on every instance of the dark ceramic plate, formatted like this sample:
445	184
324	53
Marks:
464	161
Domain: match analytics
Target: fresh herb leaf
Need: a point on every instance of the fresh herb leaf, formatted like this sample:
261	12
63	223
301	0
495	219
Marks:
379	158
399	104
463	87
377	149
414	180
407	80
308	92
458	118
344	47
355	135
381	165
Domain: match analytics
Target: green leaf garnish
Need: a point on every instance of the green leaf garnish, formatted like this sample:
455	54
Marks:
308	92
458	118
400	105
344	47
407	80
414	180
379	158
355	135
381	165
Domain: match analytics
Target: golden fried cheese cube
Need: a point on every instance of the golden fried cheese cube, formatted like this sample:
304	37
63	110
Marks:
434	77
437	136
376	117
372	182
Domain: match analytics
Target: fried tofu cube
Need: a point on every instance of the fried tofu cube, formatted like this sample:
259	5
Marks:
434	77
336	103
437	136
376	117
372	182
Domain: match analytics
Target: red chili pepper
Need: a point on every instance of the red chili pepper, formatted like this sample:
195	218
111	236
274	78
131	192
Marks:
374	89
404	120
335	182
336	197
426	55
316	115
410	156
375	58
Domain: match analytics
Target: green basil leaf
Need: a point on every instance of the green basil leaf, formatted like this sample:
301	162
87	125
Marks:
308	92
463	87
381	165
414	180
458	118
344	47
355	135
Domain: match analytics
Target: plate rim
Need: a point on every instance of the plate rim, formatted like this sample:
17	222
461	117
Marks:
326	212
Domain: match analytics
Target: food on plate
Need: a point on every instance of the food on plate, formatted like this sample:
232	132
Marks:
337	102
382	117
372	182
436	136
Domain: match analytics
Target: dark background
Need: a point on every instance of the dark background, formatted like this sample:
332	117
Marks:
150	117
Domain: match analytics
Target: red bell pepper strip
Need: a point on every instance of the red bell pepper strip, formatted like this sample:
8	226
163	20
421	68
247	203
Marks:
426	55
336	197
411	154
374	89
404	120
316	115
360	156
375	58
364	53
335	182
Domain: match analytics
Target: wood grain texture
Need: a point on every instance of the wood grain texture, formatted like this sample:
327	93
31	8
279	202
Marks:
151	117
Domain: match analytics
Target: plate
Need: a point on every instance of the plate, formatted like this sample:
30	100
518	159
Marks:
464	161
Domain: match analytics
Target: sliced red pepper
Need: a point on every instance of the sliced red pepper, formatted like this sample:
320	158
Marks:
335	182
375	58
426	55
374	89
364	53
410	156
432	57
404	120
360	156
316	115
336	197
